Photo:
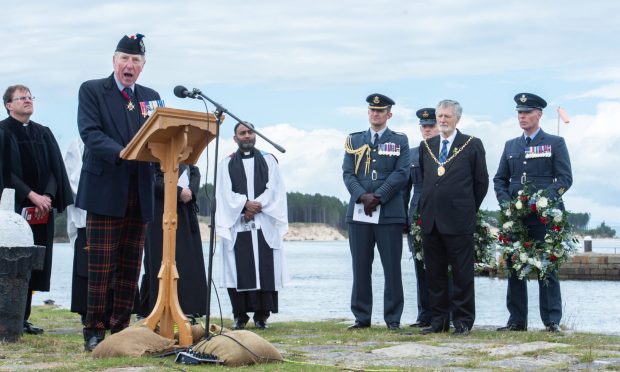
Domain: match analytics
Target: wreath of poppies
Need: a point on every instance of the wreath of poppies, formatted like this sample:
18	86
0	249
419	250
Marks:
528	255
484	247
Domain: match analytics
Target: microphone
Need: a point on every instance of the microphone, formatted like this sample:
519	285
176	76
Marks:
182	92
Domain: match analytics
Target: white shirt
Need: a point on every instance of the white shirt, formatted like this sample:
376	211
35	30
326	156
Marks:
450	141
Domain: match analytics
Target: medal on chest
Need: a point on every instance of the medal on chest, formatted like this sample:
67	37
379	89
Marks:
130	106
389	149
441	171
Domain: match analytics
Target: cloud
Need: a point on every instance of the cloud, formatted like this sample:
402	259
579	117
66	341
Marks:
608	91
263	58
308	43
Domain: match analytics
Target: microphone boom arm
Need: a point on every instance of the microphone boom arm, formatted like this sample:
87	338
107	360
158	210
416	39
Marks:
222	110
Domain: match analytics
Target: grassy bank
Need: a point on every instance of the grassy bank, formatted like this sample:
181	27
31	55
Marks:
320	345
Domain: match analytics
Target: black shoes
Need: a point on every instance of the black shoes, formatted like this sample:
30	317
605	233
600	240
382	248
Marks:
393	326
512	327
553	328
239	324
91	343
32	330
261	324
461	331
431	329
420	324
358	325
435	329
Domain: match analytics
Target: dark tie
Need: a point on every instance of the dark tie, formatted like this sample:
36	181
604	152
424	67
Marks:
127	93
443	154
376	140
527	141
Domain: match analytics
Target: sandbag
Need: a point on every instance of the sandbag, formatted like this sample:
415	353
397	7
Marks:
133	341
237	348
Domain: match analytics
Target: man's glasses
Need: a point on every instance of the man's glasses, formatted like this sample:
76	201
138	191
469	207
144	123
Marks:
23	98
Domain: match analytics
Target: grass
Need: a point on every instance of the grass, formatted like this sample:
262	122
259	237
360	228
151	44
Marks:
313	346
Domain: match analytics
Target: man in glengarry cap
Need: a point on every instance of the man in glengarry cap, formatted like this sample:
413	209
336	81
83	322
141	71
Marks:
117	194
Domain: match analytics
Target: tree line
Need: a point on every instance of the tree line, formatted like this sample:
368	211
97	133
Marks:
329	210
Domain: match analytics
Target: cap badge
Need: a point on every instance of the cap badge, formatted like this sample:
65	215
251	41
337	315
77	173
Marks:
523	98
425	114
376	100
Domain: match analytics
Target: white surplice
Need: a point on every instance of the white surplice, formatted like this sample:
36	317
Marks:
273	219
76	217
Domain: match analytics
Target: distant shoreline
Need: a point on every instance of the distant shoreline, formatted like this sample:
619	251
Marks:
297	231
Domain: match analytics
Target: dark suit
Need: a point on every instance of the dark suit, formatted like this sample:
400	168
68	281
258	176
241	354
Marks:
553	174
106	127
118	196
415	183
448	210
386	177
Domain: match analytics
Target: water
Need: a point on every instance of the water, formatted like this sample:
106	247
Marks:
320	287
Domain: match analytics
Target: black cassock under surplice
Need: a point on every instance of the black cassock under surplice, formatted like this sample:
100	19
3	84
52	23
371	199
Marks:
264	300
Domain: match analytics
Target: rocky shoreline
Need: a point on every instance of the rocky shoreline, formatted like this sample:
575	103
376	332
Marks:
297	231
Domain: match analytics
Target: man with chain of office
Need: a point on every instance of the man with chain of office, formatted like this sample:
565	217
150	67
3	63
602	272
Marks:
376	212
455	181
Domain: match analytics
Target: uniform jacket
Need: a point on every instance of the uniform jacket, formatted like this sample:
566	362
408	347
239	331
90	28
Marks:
106	128
414	181
551	173
451	201
390	175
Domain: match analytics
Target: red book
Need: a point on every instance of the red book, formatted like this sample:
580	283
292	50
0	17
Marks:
29	214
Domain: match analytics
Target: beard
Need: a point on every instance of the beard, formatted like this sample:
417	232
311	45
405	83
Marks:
247	145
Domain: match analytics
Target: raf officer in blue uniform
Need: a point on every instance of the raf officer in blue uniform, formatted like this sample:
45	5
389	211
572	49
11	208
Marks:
375	171
552	173
428	129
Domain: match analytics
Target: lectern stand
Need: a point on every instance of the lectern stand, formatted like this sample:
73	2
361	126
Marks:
169	137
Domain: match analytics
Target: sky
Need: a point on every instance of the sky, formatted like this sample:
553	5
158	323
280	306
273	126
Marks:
301	70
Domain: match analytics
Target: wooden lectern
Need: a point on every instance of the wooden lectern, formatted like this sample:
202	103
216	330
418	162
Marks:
169	137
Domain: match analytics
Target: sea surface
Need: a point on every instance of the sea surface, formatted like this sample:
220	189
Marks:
320	280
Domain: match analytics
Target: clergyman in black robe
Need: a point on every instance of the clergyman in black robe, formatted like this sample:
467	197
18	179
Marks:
192	283
38	175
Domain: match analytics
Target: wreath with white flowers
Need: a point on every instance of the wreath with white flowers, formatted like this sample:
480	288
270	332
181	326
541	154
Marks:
528	255
484	239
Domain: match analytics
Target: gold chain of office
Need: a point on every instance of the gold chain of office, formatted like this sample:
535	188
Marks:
441	170
359	154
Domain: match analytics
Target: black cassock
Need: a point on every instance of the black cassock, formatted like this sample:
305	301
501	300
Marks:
192	283
33	162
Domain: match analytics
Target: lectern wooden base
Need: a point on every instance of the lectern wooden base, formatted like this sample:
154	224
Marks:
170	137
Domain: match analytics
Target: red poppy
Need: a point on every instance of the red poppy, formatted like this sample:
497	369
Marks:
419	222
527	244
543	220
533	208
556	228
523	197
553	258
